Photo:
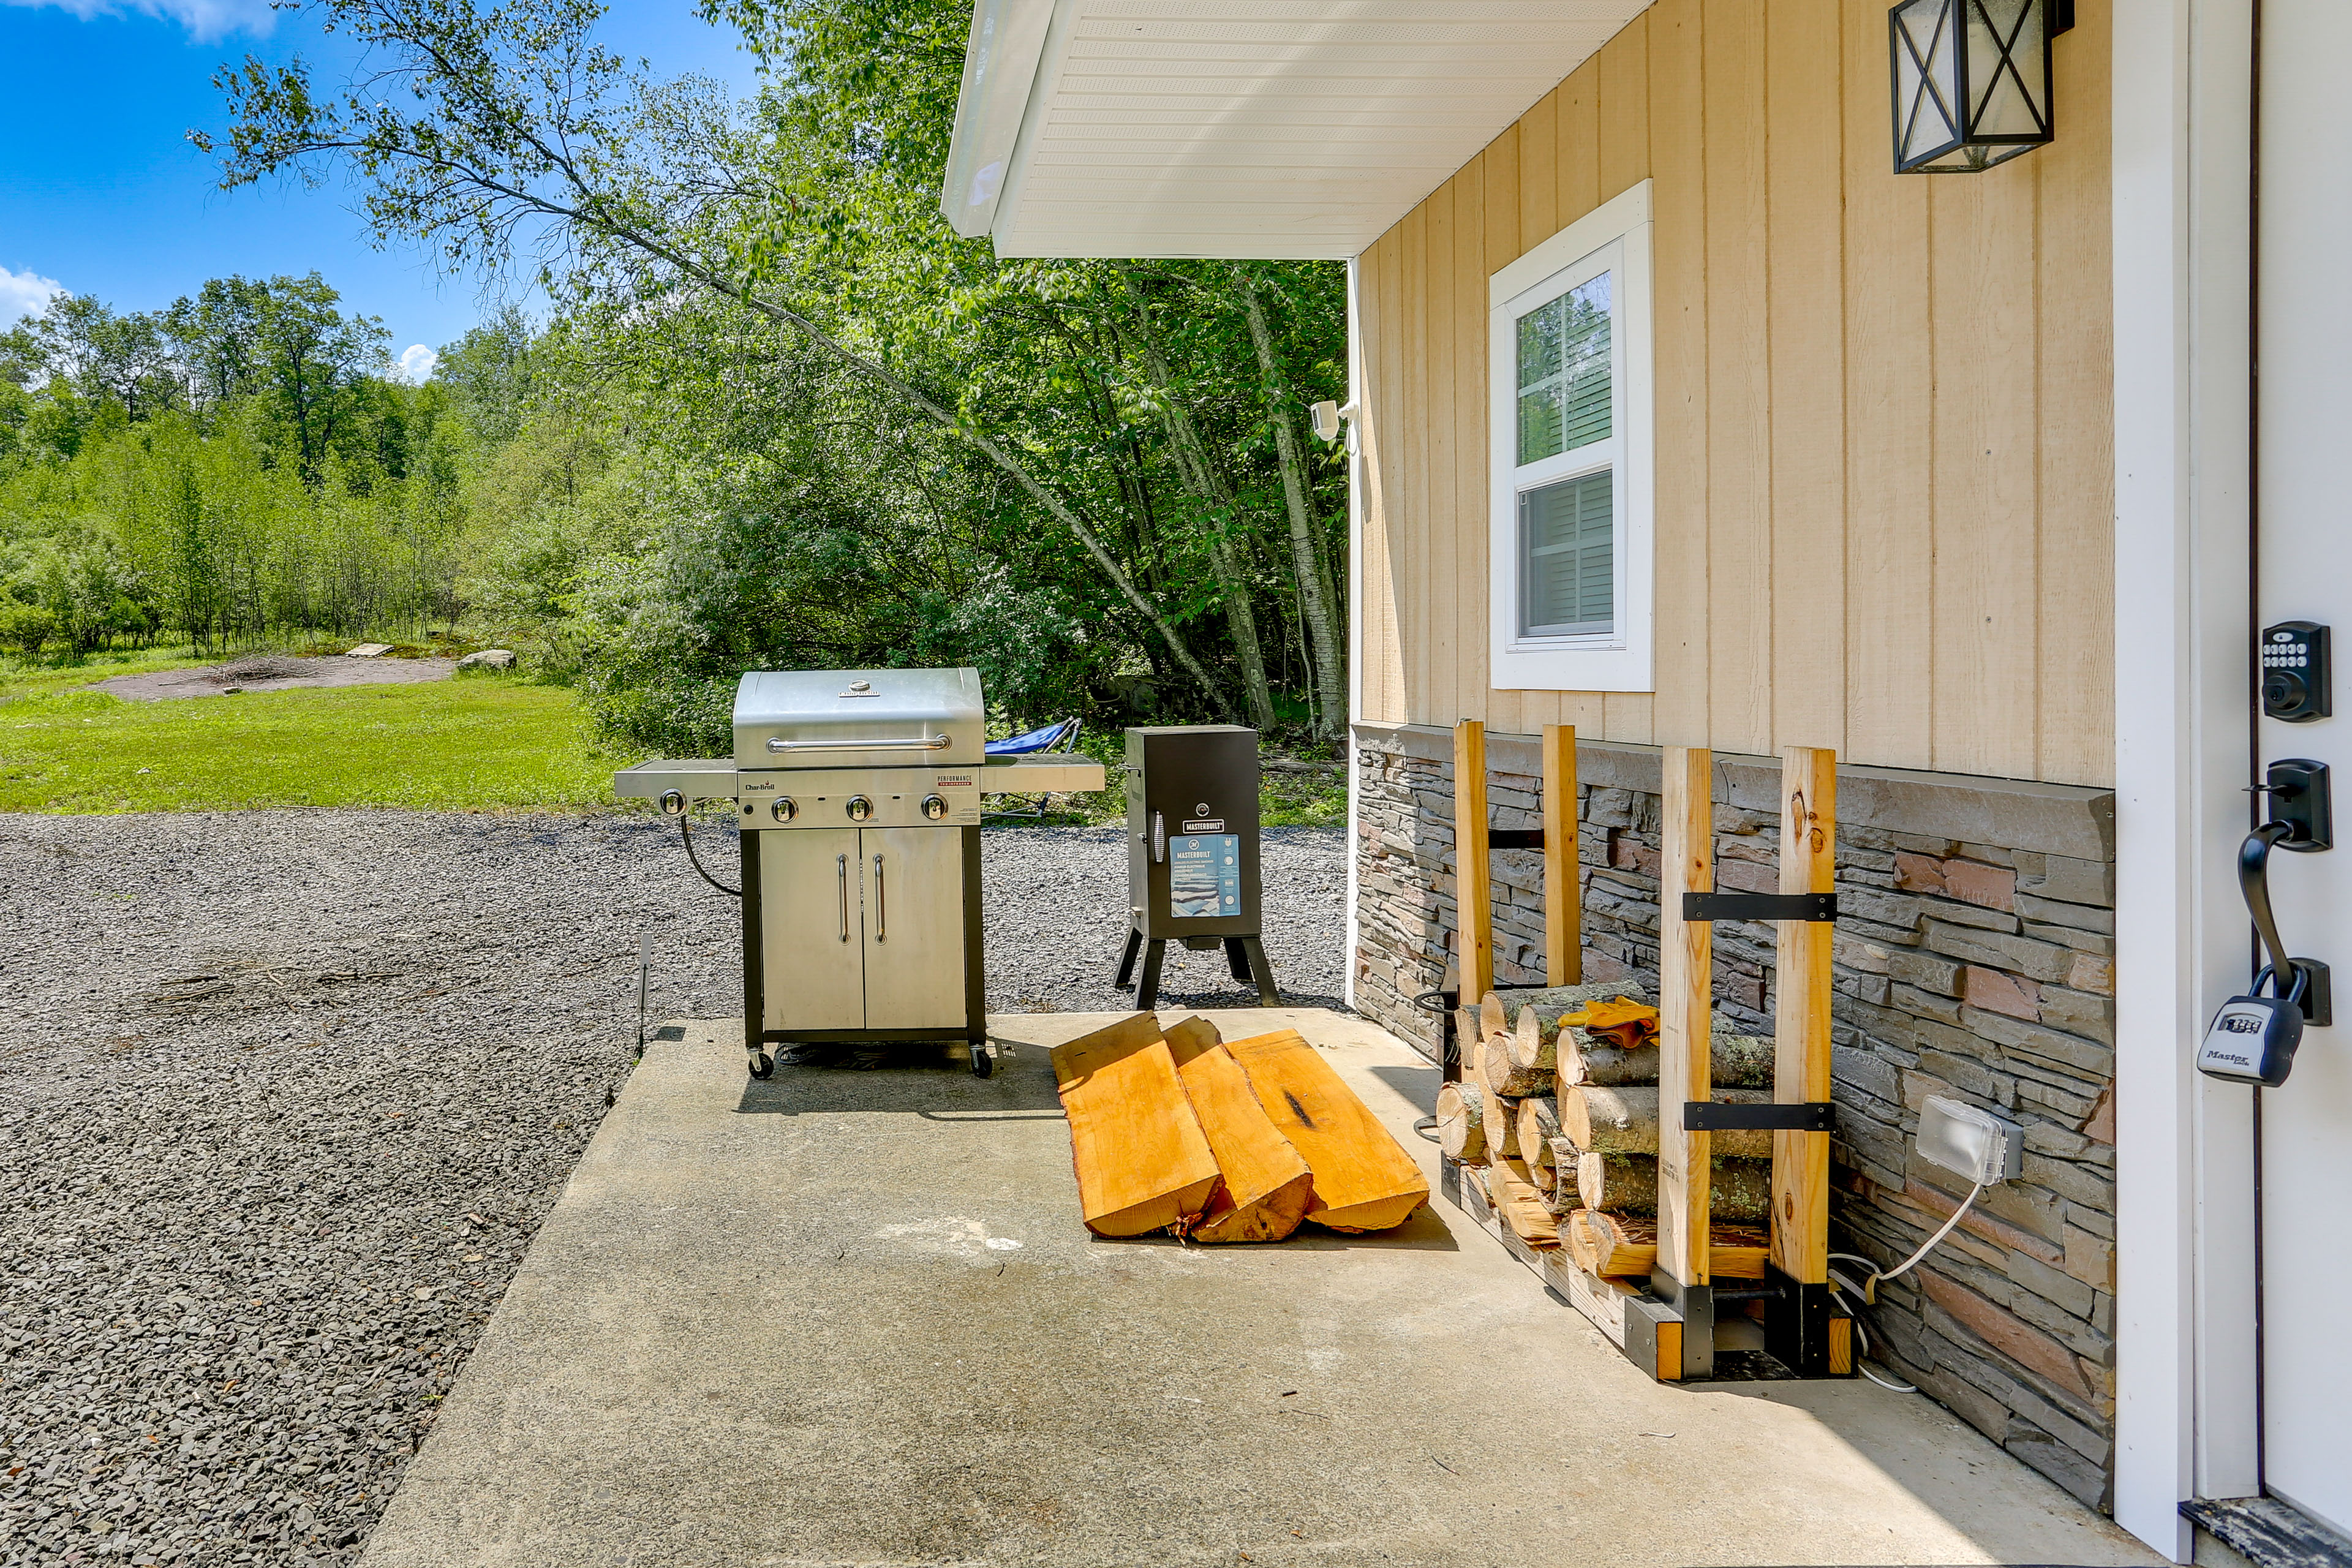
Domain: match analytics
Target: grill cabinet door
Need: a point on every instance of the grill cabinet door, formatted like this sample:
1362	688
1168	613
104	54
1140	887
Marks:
812	935
914	928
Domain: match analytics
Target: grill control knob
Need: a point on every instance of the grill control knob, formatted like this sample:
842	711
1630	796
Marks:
860	808
934	807
783	809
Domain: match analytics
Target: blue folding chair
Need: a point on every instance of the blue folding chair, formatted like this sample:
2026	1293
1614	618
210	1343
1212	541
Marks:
1058	739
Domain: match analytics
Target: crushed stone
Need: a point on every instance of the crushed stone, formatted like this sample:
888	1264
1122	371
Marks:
285	1095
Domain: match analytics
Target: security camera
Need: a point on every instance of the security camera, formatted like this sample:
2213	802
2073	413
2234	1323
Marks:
1327	420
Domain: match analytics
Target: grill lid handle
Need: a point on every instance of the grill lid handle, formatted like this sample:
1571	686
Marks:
777	743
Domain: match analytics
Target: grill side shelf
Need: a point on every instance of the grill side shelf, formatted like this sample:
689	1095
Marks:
696	778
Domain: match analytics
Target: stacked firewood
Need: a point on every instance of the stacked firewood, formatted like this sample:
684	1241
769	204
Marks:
1556	1115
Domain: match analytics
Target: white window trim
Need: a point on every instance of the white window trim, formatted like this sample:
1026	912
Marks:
1619	661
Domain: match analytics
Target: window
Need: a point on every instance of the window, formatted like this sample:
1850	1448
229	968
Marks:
1570	543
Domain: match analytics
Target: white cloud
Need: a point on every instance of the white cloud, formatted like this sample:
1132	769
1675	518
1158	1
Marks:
206	20
417	362
24	293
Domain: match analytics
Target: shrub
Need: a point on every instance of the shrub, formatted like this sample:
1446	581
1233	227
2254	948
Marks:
25	627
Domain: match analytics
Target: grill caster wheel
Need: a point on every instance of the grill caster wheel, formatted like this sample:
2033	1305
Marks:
762	1065
983	1064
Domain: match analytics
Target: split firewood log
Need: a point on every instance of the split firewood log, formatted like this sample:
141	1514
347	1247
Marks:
1461	1120
1739	1190
1502	1077
1142	1162
1614	1246
1266	1185
1364	1178
1529	1021
1624	1121
1521	1207
1502	1128
1467	1035
1538	1125
1189	1036
1738	1061
1545	1177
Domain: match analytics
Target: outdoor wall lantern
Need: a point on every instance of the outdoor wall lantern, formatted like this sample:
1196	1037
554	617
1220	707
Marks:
1971	81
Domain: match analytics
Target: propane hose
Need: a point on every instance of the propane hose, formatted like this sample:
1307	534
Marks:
685	837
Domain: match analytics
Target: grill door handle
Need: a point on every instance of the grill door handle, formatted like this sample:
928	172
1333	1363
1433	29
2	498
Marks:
841	863
881	907
778	744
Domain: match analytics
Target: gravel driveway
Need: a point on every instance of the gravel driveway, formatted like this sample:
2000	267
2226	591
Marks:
284	1095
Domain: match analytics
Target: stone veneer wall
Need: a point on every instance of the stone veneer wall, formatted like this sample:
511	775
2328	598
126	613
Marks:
1974	959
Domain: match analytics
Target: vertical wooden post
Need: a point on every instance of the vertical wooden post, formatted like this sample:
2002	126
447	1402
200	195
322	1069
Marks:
1685	965
1563	908
1473	882
1801	1073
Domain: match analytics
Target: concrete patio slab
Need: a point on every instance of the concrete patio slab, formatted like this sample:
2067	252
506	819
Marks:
851	1317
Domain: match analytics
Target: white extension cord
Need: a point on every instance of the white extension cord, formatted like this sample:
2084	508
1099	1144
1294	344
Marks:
1868	1288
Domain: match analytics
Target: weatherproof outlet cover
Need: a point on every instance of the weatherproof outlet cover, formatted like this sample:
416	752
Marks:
1969	1142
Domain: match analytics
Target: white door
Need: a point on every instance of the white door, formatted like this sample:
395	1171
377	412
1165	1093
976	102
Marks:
2304	537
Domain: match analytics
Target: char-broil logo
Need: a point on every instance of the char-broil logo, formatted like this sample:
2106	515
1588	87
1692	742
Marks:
955	781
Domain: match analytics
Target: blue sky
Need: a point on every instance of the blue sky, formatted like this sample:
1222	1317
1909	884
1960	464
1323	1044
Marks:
103	195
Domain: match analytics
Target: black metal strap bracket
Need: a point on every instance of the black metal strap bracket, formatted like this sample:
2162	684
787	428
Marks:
1515	838
1809	1116
1814	907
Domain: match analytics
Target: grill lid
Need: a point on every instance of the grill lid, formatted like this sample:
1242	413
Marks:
859	719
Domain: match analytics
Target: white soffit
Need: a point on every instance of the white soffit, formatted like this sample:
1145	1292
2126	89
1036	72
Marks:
1293	129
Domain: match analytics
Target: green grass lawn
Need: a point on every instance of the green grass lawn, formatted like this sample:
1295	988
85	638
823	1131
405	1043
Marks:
480	742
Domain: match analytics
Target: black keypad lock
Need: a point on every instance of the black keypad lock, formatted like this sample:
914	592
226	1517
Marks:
2295	685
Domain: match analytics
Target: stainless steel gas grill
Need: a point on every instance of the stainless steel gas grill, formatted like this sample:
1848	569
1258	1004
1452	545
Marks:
857	793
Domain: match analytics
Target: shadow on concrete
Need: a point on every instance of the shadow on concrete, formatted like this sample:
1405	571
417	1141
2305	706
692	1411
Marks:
1425	1232
934	1093
1416	1084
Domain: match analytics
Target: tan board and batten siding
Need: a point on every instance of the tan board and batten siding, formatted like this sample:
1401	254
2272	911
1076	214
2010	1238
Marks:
1885	492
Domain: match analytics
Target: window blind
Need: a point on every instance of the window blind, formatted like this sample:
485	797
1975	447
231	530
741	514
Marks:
1567	554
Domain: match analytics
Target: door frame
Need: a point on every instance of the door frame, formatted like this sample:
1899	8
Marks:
2183	206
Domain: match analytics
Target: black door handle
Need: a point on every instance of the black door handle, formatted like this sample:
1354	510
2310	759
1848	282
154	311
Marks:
2254	885
2306	979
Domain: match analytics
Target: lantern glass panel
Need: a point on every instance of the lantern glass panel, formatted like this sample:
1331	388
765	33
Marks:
1971	82
1926	79
2007	89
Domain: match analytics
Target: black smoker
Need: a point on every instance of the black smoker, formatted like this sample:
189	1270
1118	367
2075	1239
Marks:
1192	851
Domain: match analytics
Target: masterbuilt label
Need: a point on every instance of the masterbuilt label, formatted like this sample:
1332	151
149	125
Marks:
1204	875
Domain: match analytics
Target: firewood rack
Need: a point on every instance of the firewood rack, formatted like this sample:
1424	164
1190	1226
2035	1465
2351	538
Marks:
1472	972
1668	1330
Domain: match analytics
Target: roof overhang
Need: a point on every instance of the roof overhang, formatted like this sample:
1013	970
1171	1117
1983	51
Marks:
1288	129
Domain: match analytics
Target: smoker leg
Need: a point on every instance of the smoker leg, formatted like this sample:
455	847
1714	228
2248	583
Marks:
1237	959
1147	991
1267	997
1126	960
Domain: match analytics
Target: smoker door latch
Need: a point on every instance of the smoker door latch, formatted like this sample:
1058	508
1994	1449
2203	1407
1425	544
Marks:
1159	839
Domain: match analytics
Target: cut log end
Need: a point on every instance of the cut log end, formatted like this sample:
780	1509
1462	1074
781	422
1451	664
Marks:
1461	1121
